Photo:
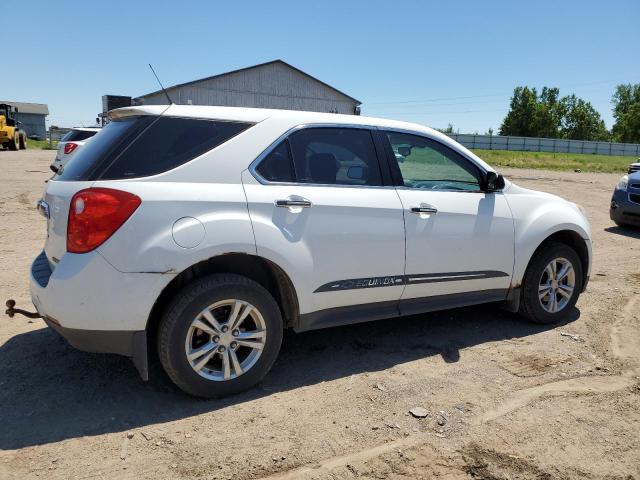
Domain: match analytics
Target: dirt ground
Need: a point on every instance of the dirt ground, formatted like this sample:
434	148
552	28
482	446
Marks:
505	399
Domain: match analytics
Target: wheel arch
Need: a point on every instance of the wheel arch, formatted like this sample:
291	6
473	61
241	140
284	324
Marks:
265	272
573	239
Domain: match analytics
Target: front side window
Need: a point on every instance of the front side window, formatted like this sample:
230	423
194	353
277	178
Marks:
425	163
335	156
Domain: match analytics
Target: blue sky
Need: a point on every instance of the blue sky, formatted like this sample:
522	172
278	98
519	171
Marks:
429	62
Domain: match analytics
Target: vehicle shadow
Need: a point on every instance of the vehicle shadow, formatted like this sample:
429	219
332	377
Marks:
624	231
51	392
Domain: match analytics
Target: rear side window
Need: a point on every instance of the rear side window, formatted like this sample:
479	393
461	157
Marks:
340	156
277	166
77	135
168	143
325	156
147	145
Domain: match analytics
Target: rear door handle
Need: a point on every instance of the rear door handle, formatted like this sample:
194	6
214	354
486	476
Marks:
288	203
424	209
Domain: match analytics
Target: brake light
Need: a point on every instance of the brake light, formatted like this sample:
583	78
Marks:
70	147
95	214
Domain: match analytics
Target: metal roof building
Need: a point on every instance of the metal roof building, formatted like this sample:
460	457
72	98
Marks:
274	84
32	116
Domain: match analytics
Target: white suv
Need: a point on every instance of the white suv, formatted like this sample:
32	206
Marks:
206	231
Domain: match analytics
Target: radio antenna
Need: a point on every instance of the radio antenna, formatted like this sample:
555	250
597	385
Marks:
161	86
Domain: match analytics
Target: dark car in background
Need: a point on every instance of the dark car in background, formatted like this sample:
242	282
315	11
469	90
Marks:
625	202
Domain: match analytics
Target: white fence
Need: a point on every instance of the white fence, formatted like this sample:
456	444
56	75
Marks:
556	145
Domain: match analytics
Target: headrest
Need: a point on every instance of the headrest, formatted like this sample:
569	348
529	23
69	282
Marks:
323	167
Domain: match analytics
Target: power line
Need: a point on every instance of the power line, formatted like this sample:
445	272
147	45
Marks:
430	100
383	112
435	113
436	99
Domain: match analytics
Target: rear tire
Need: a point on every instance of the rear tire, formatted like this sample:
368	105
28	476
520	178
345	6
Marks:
621	224
23	142
546	297
236	355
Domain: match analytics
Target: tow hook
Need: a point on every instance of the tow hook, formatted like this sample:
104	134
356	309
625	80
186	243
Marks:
12	310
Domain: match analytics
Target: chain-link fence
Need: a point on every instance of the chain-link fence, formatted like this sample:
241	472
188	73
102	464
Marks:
555	145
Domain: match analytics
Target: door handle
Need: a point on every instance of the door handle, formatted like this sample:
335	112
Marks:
288	203
424	209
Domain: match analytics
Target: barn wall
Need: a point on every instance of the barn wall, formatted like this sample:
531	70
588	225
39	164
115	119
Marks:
33	124
267	86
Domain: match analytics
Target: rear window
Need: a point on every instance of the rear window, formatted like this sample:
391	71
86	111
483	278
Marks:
77	135
147	145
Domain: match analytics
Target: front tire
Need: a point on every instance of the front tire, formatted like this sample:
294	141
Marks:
552	284
220	335
14	143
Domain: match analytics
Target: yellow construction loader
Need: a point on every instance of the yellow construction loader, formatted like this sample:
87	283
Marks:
11	135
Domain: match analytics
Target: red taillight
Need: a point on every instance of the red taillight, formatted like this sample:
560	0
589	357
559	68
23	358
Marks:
95	214
70	147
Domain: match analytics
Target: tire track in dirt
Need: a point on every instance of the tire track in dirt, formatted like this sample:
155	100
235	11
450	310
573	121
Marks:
625	343
325	467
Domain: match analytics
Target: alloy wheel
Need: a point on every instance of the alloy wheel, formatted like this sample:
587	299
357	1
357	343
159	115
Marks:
557	285
225	340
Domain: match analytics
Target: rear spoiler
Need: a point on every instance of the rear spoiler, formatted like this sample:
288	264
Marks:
124	112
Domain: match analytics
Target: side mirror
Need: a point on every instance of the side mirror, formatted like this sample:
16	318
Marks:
493	182
404	151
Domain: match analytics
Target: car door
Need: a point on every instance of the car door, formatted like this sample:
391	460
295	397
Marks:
322	210
459	238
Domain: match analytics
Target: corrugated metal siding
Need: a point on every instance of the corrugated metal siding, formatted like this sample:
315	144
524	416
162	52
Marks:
268	86
33	124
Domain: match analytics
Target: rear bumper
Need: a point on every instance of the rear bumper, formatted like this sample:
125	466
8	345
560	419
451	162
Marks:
85	292
132	344
95	307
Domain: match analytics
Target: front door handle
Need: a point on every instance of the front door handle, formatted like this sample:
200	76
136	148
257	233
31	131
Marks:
424	208
288	203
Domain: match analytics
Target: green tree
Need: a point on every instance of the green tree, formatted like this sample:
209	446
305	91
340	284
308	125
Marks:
533	115
626	111
521	118
580	121
549	113
549	116
447	130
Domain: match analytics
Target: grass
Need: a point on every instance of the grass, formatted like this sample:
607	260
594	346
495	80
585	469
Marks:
556	161
41	145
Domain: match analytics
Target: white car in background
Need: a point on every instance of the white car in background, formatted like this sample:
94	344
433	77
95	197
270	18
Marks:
70	143
207	231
